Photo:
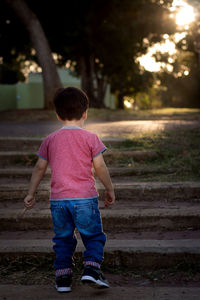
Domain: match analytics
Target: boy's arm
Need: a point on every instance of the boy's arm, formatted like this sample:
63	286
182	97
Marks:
104	176
37	175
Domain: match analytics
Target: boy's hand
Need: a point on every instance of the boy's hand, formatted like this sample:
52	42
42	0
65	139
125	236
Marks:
29	201
109	198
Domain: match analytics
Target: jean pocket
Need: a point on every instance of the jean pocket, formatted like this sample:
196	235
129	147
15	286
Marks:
84	216
59	218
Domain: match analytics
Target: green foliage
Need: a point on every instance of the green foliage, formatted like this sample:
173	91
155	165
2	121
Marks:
106	35
10	74
143	101
179	89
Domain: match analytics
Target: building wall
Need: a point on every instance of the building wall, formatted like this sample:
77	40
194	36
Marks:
8	96
30	95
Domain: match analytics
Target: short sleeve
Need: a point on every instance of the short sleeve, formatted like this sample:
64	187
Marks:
97	147
43	150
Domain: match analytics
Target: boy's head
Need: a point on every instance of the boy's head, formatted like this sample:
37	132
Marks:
70	103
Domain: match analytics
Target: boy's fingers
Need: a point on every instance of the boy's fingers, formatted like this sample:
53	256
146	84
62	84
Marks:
29	202
109	202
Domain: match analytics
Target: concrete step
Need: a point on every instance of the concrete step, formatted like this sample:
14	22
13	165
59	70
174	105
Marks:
126	190
25	172
140	254
119	205
29	157
14	172
35	292
33	143
40	234
114	220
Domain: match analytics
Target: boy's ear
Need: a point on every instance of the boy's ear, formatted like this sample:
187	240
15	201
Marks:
59	119
84	116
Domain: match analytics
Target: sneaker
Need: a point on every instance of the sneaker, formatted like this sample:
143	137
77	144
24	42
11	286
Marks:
94	277
64	283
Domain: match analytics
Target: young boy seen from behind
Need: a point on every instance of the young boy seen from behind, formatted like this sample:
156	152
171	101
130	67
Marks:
71	152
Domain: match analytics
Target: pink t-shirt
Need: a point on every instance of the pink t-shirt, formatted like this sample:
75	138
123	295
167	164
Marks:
70	151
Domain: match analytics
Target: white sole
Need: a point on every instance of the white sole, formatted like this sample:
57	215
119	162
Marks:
63	289
93	282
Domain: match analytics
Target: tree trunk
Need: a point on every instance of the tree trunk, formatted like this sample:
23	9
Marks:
121	100
101	85
87	83
51	80
96	97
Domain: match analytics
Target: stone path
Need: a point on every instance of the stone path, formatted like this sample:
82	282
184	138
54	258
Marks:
8	292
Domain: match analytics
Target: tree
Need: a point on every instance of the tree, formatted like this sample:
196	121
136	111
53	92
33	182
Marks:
138	20
102	39
181	87
51	79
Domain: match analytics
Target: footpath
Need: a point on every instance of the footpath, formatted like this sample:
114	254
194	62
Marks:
103	129
152	226
22	292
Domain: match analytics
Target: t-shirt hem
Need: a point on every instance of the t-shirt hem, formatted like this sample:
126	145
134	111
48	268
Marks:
102	151
42	157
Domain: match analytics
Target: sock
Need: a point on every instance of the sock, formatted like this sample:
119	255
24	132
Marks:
61	272
92	264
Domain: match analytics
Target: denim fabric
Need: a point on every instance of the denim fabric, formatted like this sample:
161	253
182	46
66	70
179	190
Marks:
85	216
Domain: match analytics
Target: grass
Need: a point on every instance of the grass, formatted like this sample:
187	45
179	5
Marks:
153	114
29	270
178	155
104	115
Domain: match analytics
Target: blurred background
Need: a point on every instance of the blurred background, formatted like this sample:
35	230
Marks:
130	54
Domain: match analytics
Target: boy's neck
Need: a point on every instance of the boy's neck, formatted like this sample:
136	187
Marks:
73	123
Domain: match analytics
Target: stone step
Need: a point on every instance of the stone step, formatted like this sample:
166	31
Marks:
25	172
114	220
123	204
119	205
33	143
40	234
29	157
140	254
125	191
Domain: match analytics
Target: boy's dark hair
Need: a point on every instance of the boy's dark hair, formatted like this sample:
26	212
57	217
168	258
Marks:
70	103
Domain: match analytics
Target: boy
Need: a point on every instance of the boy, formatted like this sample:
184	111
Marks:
71	151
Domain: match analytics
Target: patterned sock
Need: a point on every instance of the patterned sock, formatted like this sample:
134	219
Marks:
61	272
92	263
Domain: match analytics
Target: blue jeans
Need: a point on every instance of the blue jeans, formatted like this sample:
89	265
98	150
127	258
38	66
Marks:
85	216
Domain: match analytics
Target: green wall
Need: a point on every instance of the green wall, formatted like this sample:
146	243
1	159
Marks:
30	95
8	96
